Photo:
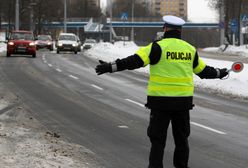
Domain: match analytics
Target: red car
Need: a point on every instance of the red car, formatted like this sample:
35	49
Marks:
21	42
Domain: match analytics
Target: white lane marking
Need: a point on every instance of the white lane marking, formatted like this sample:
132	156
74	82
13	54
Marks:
59	70
45	61
97	87
134	102
208	128
122	126
74	77
50	65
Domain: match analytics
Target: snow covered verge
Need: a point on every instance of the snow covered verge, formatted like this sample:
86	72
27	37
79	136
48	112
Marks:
2	47
234	87
25	143
230	50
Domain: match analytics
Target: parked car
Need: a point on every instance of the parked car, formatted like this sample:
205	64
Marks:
44	41
21	42
89	43
68	42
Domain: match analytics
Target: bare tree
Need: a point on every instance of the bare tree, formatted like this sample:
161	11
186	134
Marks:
7	10
234	10
82	8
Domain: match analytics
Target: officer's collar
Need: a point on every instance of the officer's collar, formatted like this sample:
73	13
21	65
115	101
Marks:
172	34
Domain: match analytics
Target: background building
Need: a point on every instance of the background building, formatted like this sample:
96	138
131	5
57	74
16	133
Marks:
165	7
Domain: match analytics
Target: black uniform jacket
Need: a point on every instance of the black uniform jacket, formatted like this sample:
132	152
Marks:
158	102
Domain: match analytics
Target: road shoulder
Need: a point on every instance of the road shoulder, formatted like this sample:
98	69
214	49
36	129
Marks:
26	143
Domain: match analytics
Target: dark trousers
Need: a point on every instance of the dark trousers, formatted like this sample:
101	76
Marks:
157	132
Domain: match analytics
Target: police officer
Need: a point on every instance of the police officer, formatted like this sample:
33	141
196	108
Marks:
172	62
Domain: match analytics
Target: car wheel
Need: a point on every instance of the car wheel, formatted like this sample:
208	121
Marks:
57	51
34	55
75	52
8	54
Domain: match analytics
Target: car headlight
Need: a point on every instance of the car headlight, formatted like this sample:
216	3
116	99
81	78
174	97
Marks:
75	44
11	43
32	44
49	43
60	44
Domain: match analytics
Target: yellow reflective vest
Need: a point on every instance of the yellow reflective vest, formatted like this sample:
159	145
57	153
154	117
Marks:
172	76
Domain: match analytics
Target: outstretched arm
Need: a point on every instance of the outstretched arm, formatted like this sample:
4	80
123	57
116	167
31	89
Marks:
143	57
130	63
207	72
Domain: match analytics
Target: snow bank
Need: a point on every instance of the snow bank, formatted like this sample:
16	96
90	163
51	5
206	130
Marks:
24	143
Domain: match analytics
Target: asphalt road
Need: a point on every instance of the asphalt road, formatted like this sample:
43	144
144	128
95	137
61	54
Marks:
106	114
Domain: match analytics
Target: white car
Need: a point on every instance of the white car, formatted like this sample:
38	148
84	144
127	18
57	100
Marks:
68	42
89	43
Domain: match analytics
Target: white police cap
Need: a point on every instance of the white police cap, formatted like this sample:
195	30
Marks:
173	20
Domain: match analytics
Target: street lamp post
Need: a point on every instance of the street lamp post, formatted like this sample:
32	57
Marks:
65	16
221	20
132	31
110	22
241	37
17	15
0	17
32	4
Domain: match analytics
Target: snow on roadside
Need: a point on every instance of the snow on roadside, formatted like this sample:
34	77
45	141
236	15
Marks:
230	50
24	144
2	47
235	86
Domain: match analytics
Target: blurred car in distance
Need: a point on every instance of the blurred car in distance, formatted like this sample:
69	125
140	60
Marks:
21	42
89	43
68	42
44	41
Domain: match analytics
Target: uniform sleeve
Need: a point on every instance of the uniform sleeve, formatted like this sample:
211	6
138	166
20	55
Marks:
144	53
198	64
150	54
155	53
202	70
130	63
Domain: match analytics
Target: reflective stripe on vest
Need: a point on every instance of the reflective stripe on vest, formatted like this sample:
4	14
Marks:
172	76
160	79
170	91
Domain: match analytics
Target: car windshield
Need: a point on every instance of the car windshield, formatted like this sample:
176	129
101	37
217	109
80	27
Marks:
44	38
67	37
21	36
